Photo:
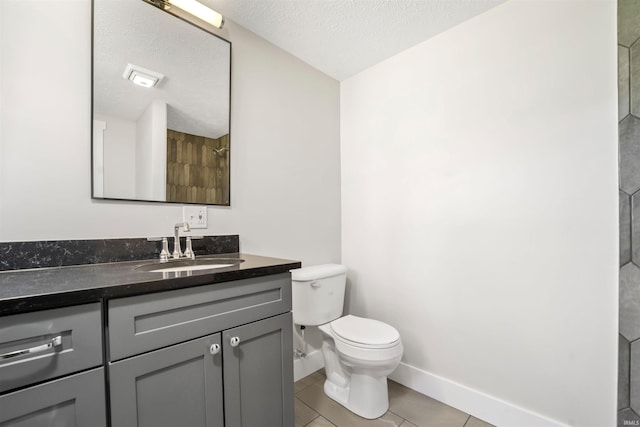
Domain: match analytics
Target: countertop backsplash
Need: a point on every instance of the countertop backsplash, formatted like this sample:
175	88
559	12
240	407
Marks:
58	253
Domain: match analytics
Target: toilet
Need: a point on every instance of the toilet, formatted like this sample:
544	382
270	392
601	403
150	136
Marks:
359	353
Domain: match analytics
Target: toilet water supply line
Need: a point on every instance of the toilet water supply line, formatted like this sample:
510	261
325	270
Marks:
301	354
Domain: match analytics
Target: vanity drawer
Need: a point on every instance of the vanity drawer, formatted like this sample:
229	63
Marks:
46	344
75	400
148	322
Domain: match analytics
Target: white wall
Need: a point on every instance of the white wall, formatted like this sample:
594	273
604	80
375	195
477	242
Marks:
119	153
151	152
285	158
479	211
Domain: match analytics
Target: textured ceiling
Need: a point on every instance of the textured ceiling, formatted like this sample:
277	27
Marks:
343	37
338	37
195	65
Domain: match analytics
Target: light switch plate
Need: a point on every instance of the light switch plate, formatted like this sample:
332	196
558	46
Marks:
196	216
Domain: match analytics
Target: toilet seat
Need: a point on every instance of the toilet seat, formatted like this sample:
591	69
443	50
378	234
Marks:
364	333
359	329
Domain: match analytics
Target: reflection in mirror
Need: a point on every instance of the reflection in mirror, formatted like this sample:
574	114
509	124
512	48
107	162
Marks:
161	96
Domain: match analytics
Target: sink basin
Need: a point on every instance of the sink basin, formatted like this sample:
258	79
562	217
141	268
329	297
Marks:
189	265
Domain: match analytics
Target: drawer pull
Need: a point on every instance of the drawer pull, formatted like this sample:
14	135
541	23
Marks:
234	341
55	341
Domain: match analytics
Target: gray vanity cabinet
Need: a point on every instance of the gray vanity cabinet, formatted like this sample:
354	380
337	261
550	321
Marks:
217	355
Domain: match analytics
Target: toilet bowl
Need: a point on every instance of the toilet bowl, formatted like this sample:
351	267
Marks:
358	353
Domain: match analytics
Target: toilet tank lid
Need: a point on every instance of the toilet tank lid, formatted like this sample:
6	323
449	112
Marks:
316	272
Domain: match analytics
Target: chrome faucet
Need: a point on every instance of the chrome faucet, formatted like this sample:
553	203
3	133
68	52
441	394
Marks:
177	252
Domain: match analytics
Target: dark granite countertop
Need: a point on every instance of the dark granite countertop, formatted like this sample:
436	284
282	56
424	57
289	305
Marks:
42	288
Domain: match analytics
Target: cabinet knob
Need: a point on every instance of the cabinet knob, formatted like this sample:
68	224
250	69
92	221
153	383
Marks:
214	349
234	341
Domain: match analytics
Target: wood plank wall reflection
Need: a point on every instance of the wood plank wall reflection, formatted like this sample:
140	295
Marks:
197	168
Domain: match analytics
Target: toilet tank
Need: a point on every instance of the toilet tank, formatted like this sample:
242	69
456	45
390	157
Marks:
318	293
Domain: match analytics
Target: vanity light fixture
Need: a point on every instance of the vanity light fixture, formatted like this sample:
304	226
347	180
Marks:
192	7
142	76
196	8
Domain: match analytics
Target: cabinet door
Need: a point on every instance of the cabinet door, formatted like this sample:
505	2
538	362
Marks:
73	401
179	385
258	373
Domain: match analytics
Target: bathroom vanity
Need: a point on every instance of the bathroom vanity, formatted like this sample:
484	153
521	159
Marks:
114	344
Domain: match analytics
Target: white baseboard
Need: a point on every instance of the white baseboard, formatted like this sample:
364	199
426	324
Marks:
308	365
480	405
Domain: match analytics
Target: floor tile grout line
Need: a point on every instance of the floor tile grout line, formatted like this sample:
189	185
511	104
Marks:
305	387
399	416
316	417
308	405
308	385
302	389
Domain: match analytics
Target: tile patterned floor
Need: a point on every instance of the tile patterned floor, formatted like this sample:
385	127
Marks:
407	408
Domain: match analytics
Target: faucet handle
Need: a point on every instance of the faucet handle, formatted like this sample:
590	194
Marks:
164	253
188	252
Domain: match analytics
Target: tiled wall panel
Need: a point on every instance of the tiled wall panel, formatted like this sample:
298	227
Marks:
629	149
197	169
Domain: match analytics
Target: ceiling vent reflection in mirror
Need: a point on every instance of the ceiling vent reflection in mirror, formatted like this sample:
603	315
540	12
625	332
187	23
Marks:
194	8
142	76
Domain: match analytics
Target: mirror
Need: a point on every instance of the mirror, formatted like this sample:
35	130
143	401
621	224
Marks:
169	142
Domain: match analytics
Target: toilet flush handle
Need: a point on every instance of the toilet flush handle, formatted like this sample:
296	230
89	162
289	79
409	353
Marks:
315	284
